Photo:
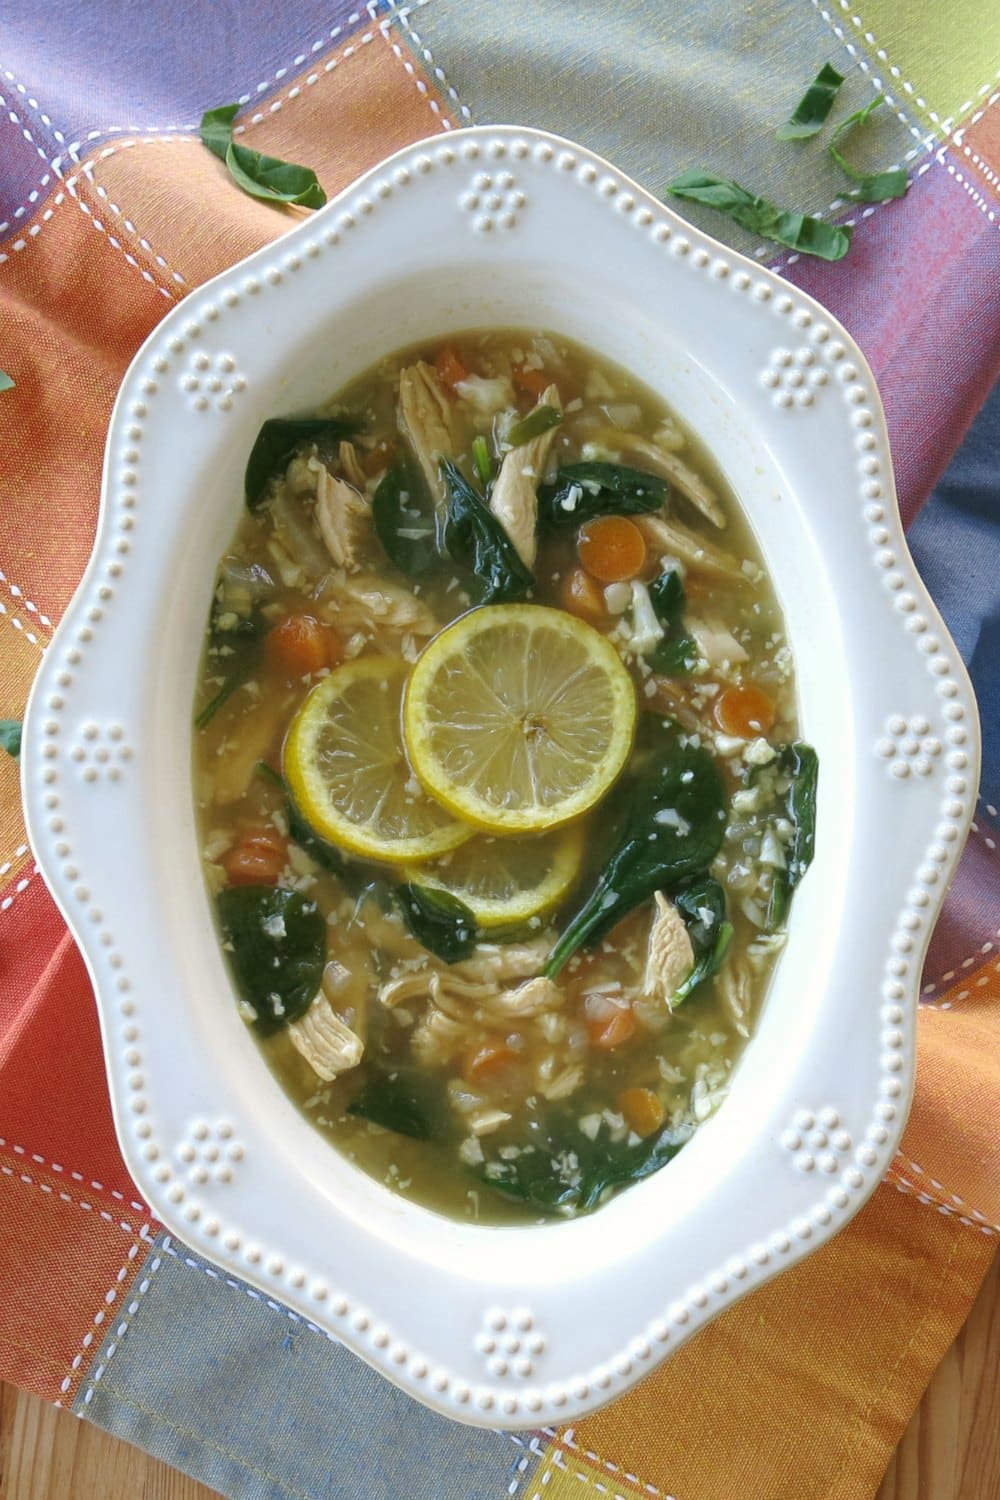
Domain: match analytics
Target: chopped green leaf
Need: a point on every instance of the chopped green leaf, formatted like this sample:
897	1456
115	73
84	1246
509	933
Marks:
667	596
272	179
275	941
701	901
6	384
812	109
276	443
216	129
472	535
801	763
481	460
226	691
673	828
403	514
675	656
801	232
402	1102
269	774
10	737
438	920
533	425
876	187
352	874
585	490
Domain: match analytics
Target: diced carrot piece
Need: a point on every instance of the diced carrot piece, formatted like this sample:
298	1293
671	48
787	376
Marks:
642	1109
530	382
483	1063
611	548
610	1031
450	368
580	595
300	645
744	711
258	858
374	460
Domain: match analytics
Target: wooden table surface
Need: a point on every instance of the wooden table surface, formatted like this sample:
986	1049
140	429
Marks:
950	1451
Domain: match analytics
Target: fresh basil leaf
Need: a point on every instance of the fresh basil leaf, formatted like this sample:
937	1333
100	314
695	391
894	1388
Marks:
481	460
701	901
585	490
673	828
438	920
404	1102
812	109
276	443
275	941
473	536
6	384
10	737
272	179
801	764
540	420
801	232
403	514
878	187
675	656
566	1173
216	129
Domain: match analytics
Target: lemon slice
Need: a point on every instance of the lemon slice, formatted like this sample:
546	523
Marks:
518	718
348	774
505	882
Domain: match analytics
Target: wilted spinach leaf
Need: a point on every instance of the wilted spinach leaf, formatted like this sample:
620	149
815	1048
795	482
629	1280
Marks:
10	737
404	1101
676	654
801	232
876	187
540	420
473	536
275	941
812	109
403	513
438	920
585	490
276	443
801	763
701	901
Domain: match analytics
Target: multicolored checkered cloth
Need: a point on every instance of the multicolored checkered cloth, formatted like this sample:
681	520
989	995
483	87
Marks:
110	212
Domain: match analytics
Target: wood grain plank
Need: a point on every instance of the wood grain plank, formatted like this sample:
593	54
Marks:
950	1450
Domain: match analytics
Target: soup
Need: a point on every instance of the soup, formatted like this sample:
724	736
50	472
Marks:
501	799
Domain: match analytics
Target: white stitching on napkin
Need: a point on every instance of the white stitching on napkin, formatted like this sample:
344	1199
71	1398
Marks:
949	975
18	593
19	625
403	15
907	1188
110	1296
940	1187
46	1187
54	1166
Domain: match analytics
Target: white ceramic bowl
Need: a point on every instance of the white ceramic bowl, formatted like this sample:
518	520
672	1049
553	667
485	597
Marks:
505	1326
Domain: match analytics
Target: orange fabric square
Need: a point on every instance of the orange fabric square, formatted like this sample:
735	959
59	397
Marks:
981	149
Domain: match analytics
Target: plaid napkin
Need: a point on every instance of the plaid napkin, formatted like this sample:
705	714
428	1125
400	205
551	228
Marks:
110	212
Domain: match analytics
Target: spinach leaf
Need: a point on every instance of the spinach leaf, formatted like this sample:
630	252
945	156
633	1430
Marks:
877	187
801	763
261	176
533	425
269	774
353	876
6	384
667	596
404	1102
812	109
237	647
567	1173
216	128
275	446
403	513
438	920
205	715
472	535
673	828
482	461
701	901
801	232
10	737
585	490
276	944
676	654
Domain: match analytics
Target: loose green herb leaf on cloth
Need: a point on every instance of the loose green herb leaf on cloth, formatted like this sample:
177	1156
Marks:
438	920
403	515
473	536
801	764
10	737
701	901
801	232
275	446
533	425
878	187
813	108
584	491
261	176
275	941
673	828
6	384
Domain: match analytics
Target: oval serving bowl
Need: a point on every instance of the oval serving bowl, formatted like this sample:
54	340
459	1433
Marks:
506	1327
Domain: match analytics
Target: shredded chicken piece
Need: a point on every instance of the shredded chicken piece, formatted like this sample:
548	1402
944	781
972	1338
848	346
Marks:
326	1042
669	955
670	536
486	396
716	642
438	1038
352	470
343	515
555	1078
669	466
364	601
472	999
425	420
485	1121
535	997
666	698
514	498
734	991
504	961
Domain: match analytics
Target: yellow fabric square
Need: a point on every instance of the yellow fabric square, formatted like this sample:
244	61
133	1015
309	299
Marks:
947	54
567	1475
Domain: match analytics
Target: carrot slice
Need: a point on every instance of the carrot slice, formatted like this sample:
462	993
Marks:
642	1109
744	711
299	646
450	368
611	548
579	595
610	1031
530	382
483	1063
258	858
